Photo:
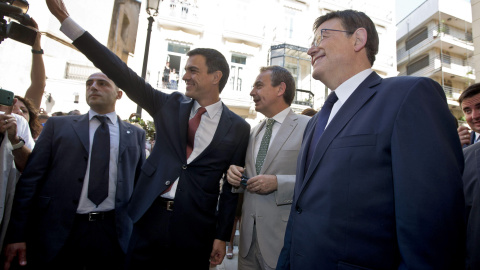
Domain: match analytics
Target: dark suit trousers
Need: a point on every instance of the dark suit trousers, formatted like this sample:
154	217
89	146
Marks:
91	245
151	246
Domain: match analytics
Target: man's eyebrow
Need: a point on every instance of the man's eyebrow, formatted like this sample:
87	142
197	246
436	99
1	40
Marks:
98	80
191	68
258	83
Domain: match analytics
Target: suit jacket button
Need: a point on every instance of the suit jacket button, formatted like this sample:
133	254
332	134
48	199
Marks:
184	167
167	183
298	209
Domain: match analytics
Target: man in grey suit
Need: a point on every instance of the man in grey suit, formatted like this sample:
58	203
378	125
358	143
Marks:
58	221
270	164
472	204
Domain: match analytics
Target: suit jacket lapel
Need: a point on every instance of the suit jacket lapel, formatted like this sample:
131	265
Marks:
302	155
81	127
283	133
125	134
477	161
251	144
183	117
354	103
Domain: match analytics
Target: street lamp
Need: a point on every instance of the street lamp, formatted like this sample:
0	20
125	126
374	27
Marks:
152	10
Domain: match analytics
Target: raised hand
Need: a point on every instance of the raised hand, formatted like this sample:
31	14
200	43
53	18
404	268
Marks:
58	9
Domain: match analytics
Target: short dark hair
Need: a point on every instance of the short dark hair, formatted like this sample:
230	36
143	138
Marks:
309	112
74	112
351	21
280	74
471	91
59	113
33	123
215	61
43	116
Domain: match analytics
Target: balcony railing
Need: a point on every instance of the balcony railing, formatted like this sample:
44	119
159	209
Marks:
455	64
455	32
433	32
186	10
78	72
452	93
303	97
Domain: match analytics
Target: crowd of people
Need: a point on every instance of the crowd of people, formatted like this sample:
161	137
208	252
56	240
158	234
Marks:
376	179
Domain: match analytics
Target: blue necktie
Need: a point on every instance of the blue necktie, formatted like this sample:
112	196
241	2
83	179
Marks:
99	163
322	120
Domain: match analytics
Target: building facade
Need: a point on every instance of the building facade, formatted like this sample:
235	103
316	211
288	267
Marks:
250	34
476	36
435	40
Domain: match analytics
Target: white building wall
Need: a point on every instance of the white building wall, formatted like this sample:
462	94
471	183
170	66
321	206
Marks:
476	36
236	27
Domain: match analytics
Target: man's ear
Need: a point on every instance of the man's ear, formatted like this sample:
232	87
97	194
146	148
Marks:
217	76
360	39
119	94
281	89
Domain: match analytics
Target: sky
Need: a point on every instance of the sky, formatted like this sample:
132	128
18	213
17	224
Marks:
404	7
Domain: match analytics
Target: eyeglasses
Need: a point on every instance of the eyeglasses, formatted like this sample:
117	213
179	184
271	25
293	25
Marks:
318	39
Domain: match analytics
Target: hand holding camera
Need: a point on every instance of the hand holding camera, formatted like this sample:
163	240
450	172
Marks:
17	10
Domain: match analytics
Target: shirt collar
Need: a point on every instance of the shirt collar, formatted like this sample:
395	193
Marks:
280	117
346	88
111	115
212	109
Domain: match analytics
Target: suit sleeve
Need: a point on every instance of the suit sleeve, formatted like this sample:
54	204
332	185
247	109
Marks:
36	169
427	174
228	200
284	192
125	78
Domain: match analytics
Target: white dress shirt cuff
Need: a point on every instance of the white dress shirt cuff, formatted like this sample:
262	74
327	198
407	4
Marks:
71	29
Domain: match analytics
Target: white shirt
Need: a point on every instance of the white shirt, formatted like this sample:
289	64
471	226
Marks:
203	136
279	118
85	205
23	130
71	29
345	90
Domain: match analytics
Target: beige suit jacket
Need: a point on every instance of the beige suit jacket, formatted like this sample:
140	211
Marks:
270	212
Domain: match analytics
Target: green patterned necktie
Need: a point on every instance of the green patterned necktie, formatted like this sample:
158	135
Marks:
262	151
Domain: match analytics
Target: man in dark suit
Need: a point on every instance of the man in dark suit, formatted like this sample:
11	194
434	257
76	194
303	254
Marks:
470	102
174	205
471	188
56	221
381	186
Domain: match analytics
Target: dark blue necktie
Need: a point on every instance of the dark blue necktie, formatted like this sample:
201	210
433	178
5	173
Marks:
320	126
99	163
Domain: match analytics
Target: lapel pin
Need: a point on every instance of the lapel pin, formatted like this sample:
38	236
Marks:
128	131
